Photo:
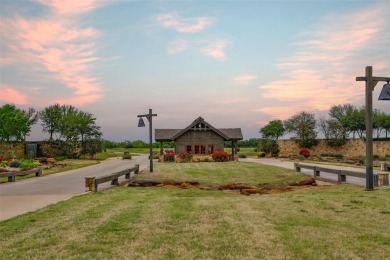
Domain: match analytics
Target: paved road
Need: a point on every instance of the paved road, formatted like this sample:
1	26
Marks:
34	193
290	165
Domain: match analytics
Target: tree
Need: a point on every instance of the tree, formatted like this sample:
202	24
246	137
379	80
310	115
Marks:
378	119
15	124
302	125
86	126
386	123
69	123
358	119
273	130
268	145
252	142
51	119
337	134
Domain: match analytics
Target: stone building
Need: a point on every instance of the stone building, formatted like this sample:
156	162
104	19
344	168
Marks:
199	138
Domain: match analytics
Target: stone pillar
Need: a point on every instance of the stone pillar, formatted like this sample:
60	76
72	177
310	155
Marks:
89	183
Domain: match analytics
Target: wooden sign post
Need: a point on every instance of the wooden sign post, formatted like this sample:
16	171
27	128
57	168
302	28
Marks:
149	117
371	82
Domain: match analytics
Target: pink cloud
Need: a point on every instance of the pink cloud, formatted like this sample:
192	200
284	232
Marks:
212	48
282	113
73	7
244	79
184	25
215	49
55	43
322	71
9	94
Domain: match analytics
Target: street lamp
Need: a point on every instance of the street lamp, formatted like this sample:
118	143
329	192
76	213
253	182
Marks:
141	123
371	82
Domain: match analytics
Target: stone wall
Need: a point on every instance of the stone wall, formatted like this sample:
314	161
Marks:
353	148
7	149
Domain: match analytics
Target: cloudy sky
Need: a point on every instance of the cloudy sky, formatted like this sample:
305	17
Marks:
235	63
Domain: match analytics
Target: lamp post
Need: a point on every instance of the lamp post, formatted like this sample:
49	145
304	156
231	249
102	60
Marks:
142	124
371	82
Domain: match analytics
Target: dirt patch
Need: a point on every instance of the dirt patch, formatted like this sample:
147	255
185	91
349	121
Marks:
237	187
49	163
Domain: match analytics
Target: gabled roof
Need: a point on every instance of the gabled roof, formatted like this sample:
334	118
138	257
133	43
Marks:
172	134
197	121
165	135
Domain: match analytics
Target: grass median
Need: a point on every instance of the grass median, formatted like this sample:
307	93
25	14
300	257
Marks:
329	222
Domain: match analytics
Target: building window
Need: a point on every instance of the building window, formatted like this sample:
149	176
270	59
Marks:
211	148
203	149
189	149
197	149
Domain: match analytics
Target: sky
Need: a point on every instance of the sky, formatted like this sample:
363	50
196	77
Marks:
238	64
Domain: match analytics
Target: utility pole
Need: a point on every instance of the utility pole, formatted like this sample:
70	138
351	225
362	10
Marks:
371	82
142	124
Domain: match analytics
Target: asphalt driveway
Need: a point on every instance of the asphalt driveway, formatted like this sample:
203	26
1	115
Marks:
34	193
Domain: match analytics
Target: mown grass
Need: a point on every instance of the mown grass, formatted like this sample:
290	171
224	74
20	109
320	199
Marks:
249	151
330	222
213	173
71	164
131	150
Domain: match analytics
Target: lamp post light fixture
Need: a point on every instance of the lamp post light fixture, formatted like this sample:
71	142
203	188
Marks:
141	123
371	82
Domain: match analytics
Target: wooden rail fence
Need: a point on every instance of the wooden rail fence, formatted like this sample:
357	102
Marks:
12	175
380	179
91	183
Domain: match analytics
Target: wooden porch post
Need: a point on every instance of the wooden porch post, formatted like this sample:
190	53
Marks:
233	148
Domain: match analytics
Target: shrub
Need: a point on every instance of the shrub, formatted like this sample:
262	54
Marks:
269	146
362	160
185	156
301	157
60	158
220	156
206	159
14	164
261	155
304	152
242	155
126	155
28	164
3	164
255	150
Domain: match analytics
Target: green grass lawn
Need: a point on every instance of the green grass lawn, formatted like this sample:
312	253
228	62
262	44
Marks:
71	164
132	150
248	151
329	222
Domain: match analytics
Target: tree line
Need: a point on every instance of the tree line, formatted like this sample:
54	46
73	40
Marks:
343	122
70	129
61	122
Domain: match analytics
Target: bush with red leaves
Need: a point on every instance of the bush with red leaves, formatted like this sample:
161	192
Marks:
304	152
220	156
